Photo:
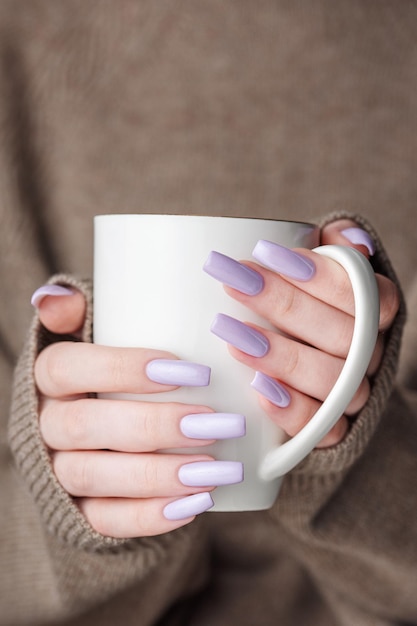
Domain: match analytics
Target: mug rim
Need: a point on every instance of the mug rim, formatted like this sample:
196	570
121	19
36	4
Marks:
228	217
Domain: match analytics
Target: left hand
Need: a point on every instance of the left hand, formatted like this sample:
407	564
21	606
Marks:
316	315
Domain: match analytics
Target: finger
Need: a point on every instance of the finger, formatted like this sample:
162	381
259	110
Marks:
300	315
122	475
347	233
68	368
61	310
298	413
131	426
256	341
377	356
303	310
298	365
331	284
312	273
125	518
305	270
389	301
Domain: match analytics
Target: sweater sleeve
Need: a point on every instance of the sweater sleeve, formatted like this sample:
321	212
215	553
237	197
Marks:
66	552
349	510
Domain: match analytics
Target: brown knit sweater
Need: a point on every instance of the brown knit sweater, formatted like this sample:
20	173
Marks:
273	108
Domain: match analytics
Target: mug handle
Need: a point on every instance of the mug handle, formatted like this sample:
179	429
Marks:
285	457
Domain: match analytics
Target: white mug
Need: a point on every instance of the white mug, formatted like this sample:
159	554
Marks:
150	291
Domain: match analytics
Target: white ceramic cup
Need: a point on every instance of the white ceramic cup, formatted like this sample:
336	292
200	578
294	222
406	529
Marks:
150	291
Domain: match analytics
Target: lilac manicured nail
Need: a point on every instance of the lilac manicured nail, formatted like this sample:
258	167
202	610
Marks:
271	390
240	335
211	473
283	260
49	290
188	507
360	237
179	373
233	274
213	425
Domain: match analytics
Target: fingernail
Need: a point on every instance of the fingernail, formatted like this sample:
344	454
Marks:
49	290
233	274
271	390
188	507
179	373
213	425
283	260
211	473
240	335
360	237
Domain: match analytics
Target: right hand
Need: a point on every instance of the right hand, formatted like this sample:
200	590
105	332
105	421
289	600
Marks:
104	452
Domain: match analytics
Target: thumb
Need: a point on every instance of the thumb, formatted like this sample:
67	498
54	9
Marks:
61	309
348	233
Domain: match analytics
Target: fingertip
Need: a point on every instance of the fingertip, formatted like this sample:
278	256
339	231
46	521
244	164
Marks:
348	233
49	290
61	309
359	237
185	509
336	435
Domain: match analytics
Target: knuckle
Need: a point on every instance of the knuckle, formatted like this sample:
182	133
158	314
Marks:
390	303
98	518
142	475
149	424
123	519
360	398
52	369
335	434
46	422
343	336
341	289
304	415
76	425
285	301
377	356
64	425
76	477
290	360
142	519
148	475
95	514
118	366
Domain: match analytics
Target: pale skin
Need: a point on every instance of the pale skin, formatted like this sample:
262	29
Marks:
104	451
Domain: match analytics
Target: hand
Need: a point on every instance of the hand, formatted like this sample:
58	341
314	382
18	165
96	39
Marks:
308	297
104	451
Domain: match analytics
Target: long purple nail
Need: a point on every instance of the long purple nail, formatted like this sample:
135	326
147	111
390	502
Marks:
240	335
188	506
360	237
211	473
271	389
283	260
49	290
213	425
233	274
179	373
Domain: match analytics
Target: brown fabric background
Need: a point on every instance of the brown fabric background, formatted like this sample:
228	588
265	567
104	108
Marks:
273	108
